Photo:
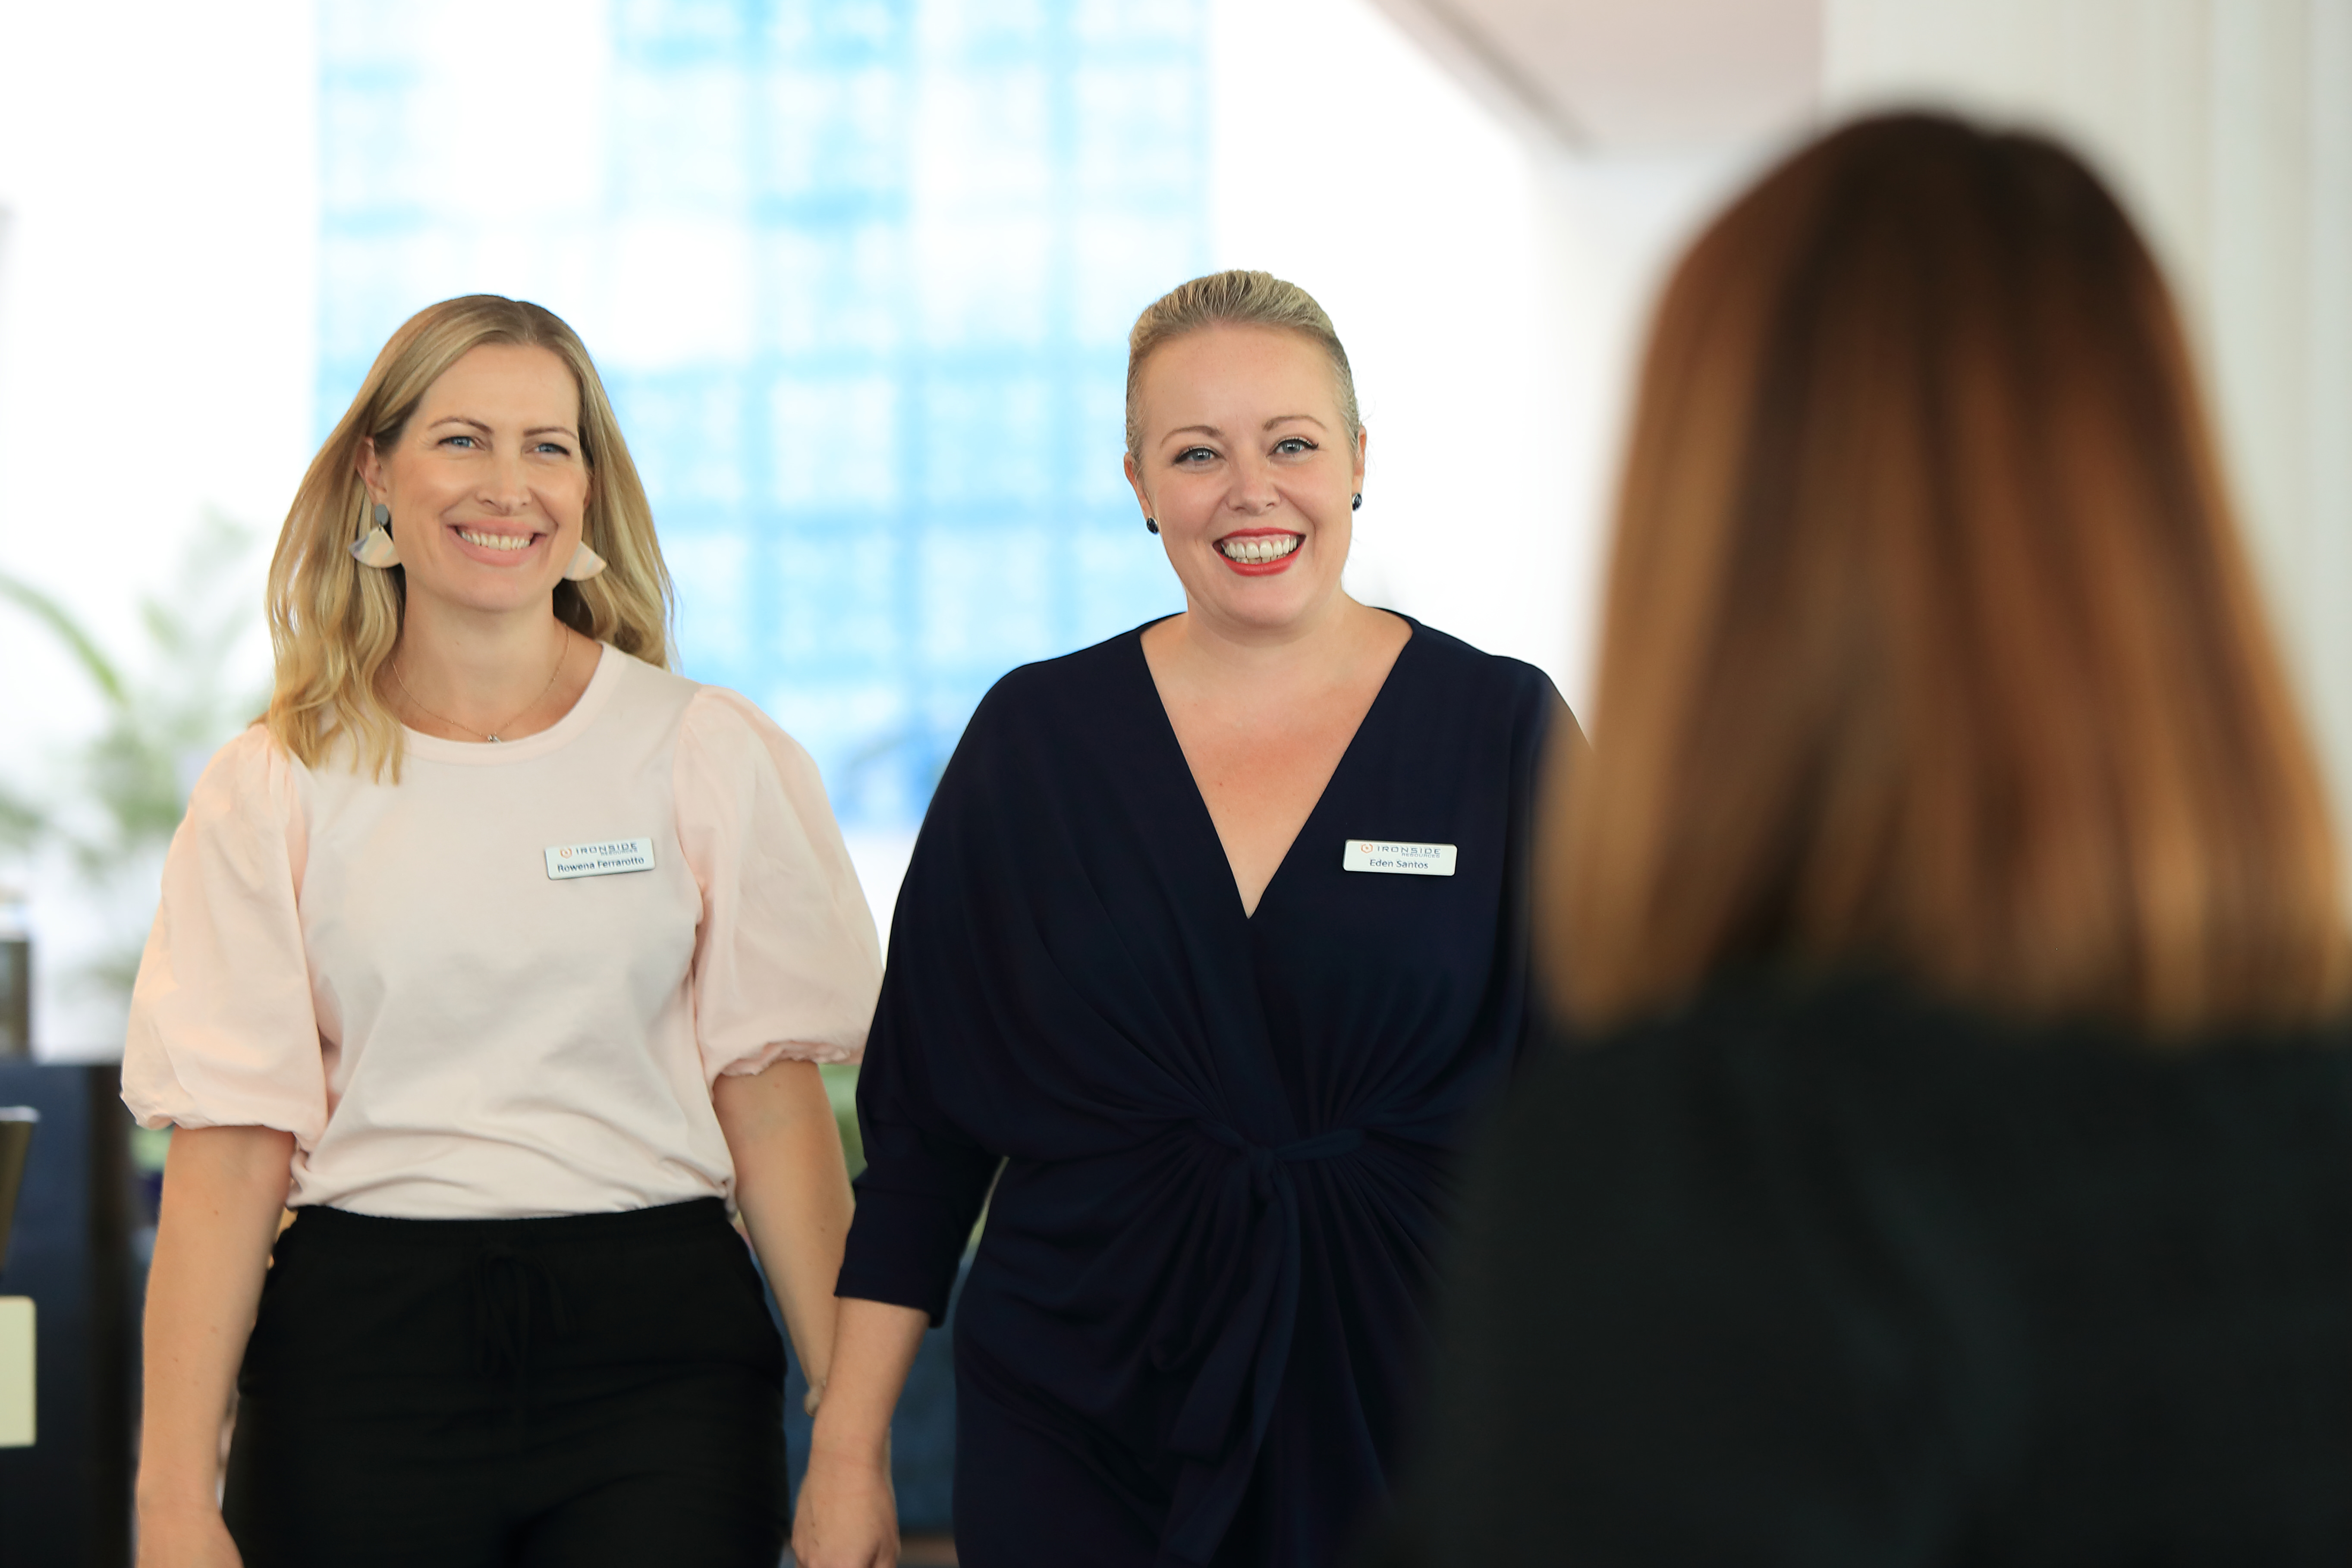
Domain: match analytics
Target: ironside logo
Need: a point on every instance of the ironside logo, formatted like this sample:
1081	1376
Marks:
1398	859
607	857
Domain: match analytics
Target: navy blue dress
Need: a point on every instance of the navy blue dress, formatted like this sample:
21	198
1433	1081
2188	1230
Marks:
1192	1327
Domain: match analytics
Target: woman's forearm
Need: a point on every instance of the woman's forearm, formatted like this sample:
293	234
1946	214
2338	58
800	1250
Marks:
874	1348
793	1191
224	1190
848	1516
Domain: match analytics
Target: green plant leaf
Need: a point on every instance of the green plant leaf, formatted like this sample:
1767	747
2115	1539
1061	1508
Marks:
68	631
21	821
167	704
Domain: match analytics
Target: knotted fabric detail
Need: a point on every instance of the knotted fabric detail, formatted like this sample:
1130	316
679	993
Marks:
1244	1366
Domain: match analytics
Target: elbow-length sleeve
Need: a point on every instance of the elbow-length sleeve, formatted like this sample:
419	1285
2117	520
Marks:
918	1199
925	1178
939	1018
222	1031
786	963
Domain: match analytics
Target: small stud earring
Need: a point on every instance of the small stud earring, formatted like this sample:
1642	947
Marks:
375	548
1357	504
1152	525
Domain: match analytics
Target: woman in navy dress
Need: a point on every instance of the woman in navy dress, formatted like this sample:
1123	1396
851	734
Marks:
1213	935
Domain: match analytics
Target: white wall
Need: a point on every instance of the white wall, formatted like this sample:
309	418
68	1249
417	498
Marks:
1616	222
2227	126
1349	163
155	326
1491	292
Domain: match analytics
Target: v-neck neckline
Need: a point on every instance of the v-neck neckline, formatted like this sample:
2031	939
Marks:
1207	819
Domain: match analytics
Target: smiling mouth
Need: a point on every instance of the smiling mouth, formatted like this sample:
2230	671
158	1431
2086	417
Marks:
510	541
1259	549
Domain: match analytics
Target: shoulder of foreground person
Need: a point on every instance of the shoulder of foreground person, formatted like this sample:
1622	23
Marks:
1832	1275
1759	1058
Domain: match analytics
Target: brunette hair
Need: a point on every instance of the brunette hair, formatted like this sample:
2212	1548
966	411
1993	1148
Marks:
334	622
1235	299
1929	644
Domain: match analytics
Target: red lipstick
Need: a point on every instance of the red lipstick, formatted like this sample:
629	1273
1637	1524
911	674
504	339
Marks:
1261	560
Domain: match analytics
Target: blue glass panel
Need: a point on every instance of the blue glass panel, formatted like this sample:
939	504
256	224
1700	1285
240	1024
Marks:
859	274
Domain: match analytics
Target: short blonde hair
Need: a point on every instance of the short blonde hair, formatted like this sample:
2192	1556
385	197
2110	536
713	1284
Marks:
334	622
1236	299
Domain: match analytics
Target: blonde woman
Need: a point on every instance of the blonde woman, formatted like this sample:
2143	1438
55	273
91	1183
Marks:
504	957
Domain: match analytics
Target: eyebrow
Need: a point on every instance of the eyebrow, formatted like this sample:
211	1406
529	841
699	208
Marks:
478	424
1278	420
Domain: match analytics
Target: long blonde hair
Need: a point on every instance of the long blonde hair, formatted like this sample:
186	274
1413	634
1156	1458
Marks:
1930	647
334	622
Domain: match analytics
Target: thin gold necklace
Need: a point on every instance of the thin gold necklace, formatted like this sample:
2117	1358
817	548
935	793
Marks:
562	654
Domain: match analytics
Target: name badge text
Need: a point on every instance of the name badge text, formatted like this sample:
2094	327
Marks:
1398	859
609	857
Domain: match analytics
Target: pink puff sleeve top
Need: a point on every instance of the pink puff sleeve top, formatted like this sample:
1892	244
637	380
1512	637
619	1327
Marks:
503	985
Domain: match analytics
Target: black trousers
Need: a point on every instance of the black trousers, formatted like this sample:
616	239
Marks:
585	1389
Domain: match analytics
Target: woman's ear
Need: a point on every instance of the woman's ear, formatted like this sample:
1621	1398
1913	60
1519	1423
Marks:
369	465
1135	483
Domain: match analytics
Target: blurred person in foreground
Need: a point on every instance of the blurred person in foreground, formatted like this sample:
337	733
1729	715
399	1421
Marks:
504	955
1953	1163
1160	960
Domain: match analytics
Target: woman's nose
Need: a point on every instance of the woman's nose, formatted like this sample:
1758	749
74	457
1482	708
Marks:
503	487
1254	488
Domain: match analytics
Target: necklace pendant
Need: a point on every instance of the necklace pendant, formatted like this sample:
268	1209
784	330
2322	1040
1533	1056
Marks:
495	741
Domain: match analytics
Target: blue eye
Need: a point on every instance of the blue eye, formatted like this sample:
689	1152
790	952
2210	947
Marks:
1190	454
1294	445
556	446
468	441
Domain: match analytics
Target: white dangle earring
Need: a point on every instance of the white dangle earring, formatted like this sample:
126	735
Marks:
585	563
375	547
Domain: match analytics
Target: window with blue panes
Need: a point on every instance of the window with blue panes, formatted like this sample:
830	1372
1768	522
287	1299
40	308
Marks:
859	274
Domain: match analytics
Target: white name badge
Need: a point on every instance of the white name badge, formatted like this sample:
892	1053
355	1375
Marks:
1398	859
609	858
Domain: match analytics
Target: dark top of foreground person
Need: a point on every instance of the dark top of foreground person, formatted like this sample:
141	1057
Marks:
1226	1137
1836	1276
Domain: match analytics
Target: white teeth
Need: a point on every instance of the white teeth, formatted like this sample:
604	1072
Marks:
1261	549
495	540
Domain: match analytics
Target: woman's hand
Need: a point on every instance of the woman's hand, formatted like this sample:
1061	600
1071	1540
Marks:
184	1535
794	1195
848	1516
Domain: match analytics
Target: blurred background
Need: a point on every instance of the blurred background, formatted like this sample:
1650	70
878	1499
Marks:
859	274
